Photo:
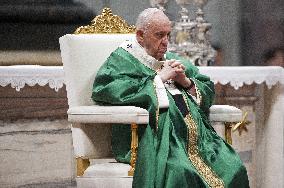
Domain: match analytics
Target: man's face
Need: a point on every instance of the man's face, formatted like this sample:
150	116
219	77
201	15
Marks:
156	38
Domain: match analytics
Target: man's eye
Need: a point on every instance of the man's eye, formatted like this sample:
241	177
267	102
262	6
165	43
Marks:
160	35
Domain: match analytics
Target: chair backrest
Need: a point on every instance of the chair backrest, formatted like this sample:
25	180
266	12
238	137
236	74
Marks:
82	55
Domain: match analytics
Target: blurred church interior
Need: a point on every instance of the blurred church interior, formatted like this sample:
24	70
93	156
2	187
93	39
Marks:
36	144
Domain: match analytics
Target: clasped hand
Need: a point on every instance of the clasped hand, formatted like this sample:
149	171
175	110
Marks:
174	70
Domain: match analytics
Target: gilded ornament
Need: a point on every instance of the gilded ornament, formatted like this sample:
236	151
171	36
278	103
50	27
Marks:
106	23
242	126
181	37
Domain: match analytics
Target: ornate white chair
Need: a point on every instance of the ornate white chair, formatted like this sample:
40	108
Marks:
82	55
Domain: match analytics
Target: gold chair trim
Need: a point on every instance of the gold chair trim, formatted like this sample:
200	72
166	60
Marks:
106	23
82	165
134	148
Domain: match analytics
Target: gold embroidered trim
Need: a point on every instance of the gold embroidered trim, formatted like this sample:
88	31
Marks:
203	169
158	109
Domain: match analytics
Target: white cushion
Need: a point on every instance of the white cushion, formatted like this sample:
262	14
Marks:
225	113
107	168
105	173
95	182
108	114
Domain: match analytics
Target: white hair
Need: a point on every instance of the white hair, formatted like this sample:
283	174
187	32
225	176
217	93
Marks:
145	17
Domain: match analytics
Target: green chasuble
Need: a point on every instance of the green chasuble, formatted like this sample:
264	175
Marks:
175	150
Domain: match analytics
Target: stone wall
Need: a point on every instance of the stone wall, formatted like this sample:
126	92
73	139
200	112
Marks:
36	143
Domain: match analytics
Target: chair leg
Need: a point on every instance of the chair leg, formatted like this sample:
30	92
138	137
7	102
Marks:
228	132
134	147
82	165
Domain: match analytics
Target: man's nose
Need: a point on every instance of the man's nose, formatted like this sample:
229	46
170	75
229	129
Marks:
165	40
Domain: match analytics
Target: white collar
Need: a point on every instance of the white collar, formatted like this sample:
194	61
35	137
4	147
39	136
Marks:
135	49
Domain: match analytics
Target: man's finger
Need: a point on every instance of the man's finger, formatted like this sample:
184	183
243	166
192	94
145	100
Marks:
182	66
170	62
179	70
175	64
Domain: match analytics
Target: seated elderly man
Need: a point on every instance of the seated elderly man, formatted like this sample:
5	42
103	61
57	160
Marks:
178	148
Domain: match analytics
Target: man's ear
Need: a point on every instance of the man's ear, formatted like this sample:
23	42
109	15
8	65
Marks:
140	36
